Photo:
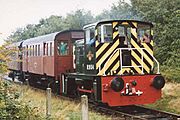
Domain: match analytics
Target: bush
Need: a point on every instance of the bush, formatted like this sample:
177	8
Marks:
171	73
11	108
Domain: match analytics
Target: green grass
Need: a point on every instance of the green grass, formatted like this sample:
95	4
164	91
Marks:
170	100
172	74
62	109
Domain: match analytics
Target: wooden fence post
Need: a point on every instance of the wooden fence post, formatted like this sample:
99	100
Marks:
48	102
84	105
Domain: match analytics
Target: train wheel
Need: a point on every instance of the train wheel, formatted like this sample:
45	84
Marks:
12	75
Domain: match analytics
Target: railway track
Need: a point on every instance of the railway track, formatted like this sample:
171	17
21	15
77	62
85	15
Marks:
133	112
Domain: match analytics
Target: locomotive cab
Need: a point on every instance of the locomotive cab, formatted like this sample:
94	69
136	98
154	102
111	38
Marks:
118	47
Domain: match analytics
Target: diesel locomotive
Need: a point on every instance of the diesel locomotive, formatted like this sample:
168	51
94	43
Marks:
110	61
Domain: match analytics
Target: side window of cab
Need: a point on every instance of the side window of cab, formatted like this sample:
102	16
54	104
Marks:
90	37
105	33
144	33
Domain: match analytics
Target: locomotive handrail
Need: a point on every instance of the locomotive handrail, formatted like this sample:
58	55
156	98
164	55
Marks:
142	52
158	72
142	55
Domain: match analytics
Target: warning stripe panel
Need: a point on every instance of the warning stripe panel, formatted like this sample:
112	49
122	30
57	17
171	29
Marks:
114	60
147	57
100	50
138	58
115	67
106	54
139	55
148	47
110	64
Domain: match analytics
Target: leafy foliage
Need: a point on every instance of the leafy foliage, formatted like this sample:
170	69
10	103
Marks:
121	10
78	19
11	107
4	57
166	16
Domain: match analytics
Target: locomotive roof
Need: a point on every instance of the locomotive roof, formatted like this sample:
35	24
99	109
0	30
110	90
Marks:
95	24
45	38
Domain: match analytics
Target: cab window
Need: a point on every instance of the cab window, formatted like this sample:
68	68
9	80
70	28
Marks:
144	35
105	33
63	48
125	31
90	35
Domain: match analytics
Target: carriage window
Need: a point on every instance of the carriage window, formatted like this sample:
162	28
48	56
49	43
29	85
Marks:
144	33
44	49
33	51
63	48
105	33
27	50
47	49
23	51
38	50
50	51
30	49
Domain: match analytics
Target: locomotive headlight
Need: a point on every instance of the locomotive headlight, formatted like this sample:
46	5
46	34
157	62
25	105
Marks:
117	84
158	82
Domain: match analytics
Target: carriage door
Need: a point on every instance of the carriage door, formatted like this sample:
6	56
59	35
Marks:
25	65
64	63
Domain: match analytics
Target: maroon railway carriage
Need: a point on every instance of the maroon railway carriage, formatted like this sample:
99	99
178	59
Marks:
15	63
45	57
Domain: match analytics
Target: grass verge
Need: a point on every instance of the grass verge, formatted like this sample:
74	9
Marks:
170	100
61	109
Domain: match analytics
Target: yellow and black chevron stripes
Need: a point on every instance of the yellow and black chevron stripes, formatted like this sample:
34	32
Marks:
135	59
115	31
103	52
112	62
149	46
137	54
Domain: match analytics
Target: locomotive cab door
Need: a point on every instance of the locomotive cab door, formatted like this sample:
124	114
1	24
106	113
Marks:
89	57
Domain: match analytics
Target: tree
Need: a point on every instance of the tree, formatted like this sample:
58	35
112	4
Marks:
4	57
78	19
166	16
121	10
